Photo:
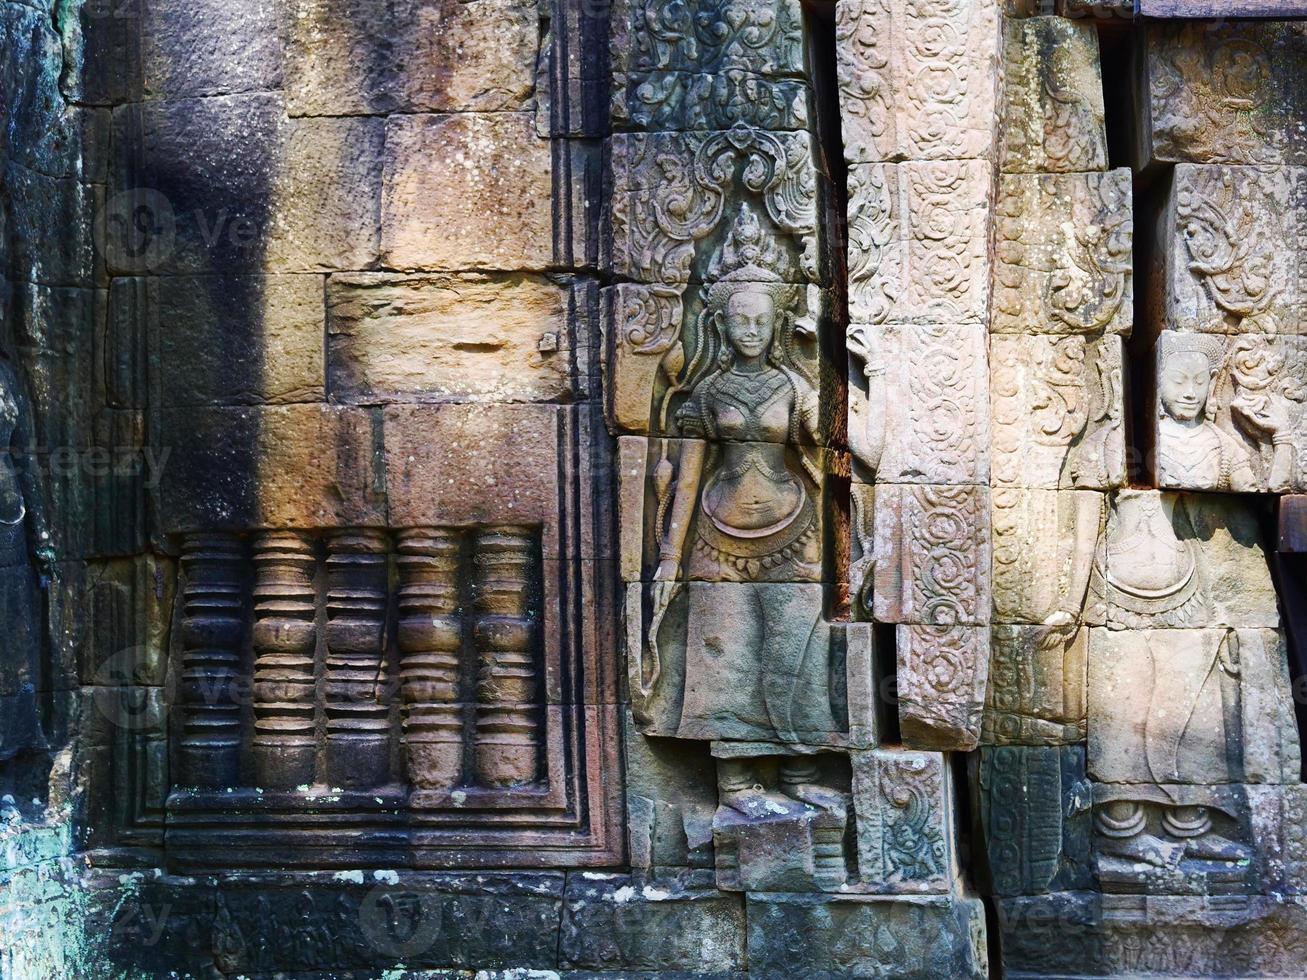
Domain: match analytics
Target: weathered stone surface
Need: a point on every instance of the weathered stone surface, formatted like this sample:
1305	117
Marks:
1229	412
1090	935
936	413
619	922
671	793
1063	262
1053	116
226	340
1225	93
1201	556
918	82
212	47
477	337
647	379
233	185
472	464
1035	818
1045	544
714	660
708	35
324	921
1132	708
368	56
676	100
902	937
708	173
298	466
1231	245
468	190
936	543
37	204
1058	412
1036	693
41	132
942	672
919	241
904	812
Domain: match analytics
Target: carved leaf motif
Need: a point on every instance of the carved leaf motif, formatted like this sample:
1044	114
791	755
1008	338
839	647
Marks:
1218	221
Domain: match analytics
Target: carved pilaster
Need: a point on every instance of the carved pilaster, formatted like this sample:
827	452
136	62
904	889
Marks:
212	624
508	686
430	636
284	640
358	724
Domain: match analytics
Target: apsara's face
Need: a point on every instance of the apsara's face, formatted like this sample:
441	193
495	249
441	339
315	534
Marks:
1185	384
750	320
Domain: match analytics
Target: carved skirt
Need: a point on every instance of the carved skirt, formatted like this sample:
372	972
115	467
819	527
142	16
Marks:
757	663
1164	718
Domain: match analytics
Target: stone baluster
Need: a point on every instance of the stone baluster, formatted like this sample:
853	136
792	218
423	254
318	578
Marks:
358	717
508	681
212	624
430	637
284	641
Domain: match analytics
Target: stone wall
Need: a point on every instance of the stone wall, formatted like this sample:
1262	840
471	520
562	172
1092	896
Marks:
650	489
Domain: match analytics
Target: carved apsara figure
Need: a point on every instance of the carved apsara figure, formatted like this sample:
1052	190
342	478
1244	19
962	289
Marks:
1193	452
739	517
1165	728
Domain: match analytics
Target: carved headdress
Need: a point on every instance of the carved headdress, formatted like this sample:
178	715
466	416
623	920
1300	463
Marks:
750	254
1211	347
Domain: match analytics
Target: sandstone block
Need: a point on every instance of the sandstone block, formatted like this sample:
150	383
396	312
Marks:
916	81
1036	693
465	191
488	464
652	332
921	937
904	803
1157	713
919	241
1233	243
618	921
210	47
50	227
1207	566
942	673
368	57
229	340
288	466
707	173
1035	818
658	101
708	35
935	543
1063	254
236	186
709	667
1221	93
1279	815
472	337
936	414
41	132
1058	412
1053	116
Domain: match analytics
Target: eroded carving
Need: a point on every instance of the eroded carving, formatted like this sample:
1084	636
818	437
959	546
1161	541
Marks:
917	79
1063	248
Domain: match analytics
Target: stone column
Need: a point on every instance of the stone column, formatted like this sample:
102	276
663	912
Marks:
285	637
430	642
355	690
921	158
212	625
507	749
